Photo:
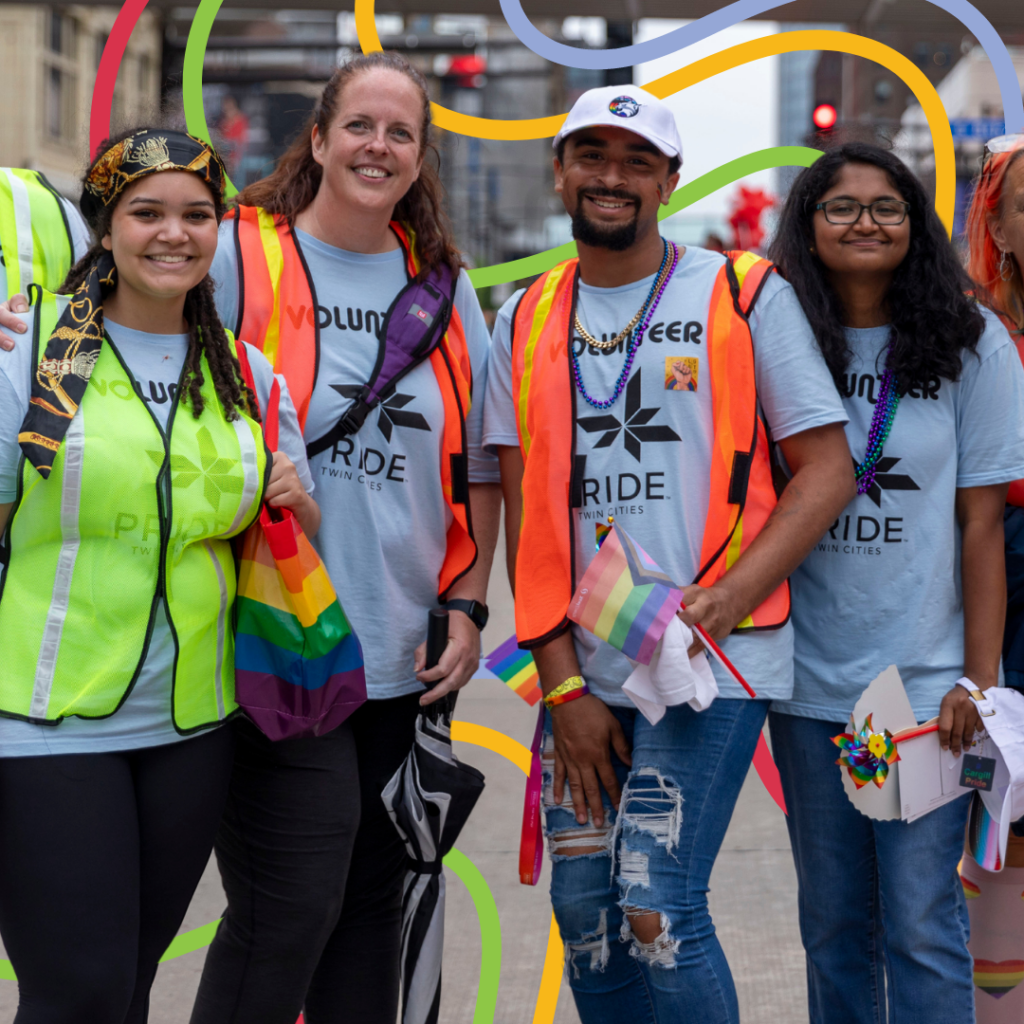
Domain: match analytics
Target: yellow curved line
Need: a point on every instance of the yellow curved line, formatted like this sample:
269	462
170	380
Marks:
701	70
551	979
514	751
491	739
844	42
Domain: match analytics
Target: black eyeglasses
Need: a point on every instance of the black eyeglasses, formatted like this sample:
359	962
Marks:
888	212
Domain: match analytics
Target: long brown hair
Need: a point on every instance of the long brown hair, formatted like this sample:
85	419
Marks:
206	333
296	179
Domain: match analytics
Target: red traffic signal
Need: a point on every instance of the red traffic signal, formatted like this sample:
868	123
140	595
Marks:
824	116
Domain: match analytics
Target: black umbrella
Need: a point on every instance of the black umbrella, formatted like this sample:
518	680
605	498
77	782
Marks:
429	799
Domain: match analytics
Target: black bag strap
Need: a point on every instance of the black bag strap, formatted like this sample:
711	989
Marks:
413	327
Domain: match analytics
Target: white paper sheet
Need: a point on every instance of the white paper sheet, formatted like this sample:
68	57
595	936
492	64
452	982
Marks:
929	775
887	703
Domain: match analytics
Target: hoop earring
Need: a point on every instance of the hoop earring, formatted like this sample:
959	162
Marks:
1005	266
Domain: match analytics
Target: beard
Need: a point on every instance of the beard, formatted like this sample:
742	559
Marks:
617	237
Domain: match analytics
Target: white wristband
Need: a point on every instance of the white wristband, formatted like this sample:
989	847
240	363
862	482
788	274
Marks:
967	685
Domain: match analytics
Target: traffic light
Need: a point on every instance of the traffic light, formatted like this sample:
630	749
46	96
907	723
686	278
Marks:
824	117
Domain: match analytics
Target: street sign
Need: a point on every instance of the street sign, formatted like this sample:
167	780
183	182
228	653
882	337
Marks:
981	128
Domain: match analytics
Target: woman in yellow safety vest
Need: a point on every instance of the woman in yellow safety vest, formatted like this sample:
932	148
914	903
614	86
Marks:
315	267
130	452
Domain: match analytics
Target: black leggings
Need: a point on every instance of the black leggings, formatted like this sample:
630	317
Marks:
99	857
314	884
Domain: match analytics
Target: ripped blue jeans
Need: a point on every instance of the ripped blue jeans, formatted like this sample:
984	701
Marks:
655	857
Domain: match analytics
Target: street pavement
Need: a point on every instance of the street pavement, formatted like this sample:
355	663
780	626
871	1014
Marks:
753	889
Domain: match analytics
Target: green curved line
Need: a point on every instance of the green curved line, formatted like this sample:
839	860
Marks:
490	935
486	912
762	160
192	76
187	942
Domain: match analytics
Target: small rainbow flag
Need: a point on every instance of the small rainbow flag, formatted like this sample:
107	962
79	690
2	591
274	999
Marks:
998	978
516	669
625	598
298	664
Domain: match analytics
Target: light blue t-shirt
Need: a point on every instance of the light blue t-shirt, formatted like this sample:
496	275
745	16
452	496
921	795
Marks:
382	536
882	587
155	362
648	457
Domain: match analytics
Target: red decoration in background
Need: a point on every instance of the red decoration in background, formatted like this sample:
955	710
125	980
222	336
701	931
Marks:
745	219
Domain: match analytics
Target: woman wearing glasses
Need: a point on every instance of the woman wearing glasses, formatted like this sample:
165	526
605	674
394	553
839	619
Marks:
995	234
911	574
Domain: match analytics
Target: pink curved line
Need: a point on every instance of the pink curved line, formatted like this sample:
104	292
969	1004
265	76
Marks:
769	772
106	73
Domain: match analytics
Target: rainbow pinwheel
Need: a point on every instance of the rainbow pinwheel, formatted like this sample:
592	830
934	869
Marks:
867	754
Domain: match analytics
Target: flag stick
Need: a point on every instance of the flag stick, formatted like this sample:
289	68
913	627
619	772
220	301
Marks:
717	652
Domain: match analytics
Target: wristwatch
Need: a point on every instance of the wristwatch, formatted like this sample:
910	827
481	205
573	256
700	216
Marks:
476	610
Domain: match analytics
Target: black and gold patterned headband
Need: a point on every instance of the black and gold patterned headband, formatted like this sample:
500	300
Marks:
74	346
148	152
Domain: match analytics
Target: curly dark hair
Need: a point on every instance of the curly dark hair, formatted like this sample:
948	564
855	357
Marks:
206	334
934	317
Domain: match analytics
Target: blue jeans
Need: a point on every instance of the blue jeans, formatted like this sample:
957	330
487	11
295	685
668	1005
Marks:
882	912
655	856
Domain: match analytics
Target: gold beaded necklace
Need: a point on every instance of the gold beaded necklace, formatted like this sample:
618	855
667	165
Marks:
625	332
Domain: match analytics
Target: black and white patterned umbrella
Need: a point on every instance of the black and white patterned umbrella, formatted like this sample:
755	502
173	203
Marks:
429	799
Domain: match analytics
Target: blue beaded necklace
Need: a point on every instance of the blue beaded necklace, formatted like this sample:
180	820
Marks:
661	280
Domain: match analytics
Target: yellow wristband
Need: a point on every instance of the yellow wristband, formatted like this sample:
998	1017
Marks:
570	684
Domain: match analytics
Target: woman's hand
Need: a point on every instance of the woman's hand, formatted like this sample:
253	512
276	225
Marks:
285	490
959	720
459	662
15	304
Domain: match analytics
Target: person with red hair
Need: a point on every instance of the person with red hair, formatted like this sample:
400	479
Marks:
995	235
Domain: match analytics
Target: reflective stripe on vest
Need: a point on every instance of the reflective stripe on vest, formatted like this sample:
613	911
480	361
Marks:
95	548
741	491
278	314
34	234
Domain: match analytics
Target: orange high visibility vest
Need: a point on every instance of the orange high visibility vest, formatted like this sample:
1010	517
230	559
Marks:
742	494
277	312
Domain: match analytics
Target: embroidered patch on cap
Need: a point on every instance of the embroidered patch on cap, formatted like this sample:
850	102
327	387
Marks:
624	106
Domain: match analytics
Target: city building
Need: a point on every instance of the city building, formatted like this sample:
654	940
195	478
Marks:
47	69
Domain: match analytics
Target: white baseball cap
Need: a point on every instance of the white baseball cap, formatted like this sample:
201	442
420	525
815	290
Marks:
629	107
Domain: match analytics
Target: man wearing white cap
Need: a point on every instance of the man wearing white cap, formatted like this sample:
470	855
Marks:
641	381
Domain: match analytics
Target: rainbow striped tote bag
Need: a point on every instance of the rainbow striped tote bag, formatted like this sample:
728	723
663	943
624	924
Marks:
298	663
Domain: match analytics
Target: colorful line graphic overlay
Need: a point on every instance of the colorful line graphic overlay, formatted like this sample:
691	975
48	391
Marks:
192	75
512	750
490	935
725	17
106	73
767	46
787	42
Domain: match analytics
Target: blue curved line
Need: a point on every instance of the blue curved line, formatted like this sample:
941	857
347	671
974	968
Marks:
678	39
